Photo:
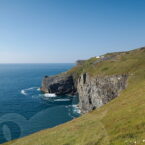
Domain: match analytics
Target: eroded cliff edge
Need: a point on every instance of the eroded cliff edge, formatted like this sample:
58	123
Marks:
93	92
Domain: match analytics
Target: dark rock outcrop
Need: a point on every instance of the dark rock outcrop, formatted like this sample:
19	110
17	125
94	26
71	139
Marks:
60	84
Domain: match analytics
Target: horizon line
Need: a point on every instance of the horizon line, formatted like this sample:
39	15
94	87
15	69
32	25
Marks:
39	63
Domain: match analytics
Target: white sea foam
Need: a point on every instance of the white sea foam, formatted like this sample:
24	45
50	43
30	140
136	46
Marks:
23	92
61	100
49	95
38	89
76	109
31	88
73	110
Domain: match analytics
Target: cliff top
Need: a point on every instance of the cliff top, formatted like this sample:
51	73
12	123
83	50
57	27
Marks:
112	63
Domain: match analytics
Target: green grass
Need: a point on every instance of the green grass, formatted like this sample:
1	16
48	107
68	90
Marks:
126	62
120	122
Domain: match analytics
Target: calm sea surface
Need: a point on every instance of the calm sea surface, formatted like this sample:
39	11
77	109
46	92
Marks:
23	108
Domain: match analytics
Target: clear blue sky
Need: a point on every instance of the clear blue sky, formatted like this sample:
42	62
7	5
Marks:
46	31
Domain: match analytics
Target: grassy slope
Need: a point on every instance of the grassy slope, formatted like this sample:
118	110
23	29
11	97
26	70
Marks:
120	122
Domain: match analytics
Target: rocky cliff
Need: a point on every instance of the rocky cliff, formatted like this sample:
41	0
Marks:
96	81
62	84
93	92
97	91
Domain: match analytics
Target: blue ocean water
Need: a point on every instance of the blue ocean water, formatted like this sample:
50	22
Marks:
23	108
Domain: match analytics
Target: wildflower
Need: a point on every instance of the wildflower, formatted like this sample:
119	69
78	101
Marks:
135	142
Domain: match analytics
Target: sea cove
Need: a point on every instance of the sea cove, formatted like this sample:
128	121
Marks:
23	108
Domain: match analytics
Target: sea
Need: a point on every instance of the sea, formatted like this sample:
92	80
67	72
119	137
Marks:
24	109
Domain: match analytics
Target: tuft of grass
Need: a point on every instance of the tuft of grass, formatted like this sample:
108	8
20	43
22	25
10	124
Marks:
120	122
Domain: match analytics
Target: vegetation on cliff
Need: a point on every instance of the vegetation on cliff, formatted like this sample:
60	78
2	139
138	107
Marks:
120	122
112	63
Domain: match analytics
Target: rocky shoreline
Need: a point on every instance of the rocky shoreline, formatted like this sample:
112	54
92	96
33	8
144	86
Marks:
93	92
62	84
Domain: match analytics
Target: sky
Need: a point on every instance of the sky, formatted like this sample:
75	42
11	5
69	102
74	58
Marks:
63	31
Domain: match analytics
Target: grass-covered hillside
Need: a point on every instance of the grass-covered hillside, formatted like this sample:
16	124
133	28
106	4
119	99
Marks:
112	63
120	122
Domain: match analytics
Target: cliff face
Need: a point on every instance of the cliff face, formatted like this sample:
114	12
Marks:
97	91
60	85
93	91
